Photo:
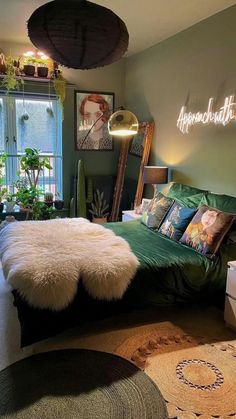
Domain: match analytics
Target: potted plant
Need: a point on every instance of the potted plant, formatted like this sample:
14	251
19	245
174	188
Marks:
10	81
10	202
29	66
32	164
58	203
59	85
48	199
42	67
3	190
42	212
99	208
28	193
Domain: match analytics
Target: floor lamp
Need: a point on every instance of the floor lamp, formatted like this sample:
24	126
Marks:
122	124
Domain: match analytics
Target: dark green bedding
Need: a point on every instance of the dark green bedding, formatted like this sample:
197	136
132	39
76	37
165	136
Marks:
169	271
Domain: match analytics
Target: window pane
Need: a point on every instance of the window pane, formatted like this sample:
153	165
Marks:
1	126
40	129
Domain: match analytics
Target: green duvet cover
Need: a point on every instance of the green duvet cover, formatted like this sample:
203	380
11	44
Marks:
169	271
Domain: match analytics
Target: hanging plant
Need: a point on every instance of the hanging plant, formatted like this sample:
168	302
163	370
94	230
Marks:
49	107
25	115
9	81
59	84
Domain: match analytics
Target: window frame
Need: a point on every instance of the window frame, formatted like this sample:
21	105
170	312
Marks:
10	139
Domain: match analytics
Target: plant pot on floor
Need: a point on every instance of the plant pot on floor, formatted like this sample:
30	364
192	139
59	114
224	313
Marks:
58	204
102	220
1	207
42	71
29	70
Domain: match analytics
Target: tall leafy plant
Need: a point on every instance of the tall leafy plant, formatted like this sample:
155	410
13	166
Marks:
28	192
32	164
3	191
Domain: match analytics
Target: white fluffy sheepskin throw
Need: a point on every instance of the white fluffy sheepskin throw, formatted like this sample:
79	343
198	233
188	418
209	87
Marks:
44	260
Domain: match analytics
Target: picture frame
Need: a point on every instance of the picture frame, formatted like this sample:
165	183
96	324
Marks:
92	111
137	144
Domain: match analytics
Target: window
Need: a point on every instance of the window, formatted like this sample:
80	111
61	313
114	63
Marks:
32	122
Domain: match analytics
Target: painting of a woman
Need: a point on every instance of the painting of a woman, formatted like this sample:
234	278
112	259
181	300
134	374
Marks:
92	113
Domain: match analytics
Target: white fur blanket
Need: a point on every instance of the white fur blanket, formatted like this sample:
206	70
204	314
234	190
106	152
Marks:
44	260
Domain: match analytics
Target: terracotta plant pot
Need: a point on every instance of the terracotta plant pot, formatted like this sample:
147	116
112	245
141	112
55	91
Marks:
29	70
102	220
42	71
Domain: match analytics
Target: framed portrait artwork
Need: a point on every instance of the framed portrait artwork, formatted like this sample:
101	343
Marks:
92	111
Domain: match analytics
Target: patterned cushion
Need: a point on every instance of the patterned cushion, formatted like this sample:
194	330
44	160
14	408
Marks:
207	230
154	214
176	221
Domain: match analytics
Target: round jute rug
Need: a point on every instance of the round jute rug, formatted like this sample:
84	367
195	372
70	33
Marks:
78	383
196	378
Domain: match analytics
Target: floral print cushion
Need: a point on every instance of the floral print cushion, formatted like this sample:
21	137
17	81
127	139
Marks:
156	211
176	221
207	230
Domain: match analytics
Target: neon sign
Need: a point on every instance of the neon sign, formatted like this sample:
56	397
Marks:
224	116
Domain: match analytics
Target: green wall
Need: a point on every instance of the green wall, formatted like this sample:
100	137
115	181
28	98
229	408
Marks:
108	79
189	68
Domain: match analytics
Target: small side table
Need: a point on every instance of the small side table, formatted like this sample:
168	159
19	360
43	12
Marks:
230	298
130	215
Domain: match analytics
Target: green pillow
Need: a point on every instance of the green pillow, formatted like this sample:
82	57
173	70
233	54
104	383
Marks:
224	203
192	201
186	195
179	190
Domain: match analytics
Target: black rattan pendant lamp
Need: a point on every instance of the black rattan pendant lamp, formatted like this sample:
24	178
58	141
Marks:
78	33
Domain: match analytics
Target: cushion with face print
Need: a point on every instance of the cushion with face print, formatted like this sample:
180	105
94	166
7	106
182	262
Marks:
155	212
207	230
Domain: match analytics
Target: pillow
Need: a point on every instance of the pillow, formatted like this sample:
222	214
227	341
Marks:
207	230
176	221
176	190
186	195
224	203
154	214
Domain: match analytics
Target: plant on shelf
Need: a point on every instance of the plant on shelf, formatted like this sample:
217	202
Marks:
3	190
10	81
59	85
99	208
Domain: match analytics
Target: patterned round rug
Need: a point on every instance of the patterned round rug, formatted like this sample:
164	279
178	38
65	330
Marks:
196	378
78	383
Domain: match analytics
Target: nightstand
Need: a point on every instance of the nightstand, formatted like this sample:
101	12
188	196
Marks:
130	215
230	298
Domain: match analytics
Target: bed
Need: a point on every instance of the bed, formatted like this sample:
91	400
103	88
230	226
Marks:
169	273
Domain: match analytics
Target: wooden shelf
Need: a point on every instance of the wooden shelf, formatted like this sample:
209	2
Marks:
28	78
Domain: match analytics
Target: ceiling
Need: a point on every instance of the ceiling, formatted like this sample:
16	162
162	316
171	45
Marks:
148	22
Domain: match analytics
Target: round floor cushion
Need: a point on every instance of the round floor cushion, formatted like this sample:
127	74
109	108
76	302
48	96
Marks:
78	383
